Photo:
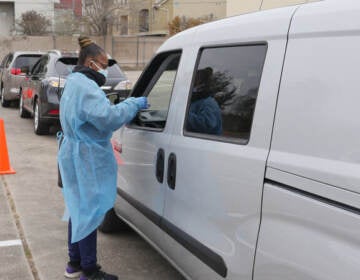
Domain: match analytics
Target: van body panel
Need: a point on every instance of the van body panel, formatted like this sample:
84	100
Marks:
282	203
315	133
325	191
136	173
217	198
303	238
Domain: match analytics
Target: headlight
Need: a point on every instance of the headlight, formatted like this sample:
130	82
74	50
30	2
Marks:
57	83
123	85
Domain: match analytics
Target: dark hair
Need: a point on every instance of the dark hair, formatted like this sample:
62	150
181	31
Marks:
88	49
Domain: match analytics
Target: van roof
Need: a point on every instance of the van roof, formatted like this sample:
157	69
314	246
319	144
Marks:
246	27
260	25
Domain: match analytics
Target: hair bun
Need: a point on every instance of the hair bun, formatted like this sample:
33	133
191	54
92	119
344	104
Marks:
84	41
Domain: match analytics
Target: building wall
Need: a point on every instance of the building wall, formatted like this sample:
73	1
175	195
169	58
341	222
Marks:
11	11
45	8
131	52
236	7
74	5
200	8
211	9
6	18
161	17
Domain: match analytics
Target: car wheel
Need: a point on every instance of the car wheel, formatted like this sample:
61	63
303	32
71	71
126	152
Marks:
112	223
4	103
40	128
22	112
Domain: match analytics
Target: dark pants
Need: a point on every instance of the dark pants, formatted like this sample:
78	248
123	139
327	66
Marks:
83	252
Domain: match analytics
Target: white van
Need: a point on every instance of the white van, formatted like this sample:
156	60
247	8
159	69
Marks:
271	190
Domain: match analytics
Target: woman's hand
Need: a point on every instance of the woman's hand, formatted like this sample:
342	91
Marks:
142	102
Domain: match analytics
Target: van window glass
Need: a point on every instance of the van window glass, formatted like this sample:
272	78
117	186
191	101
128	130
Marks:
224	91
157	84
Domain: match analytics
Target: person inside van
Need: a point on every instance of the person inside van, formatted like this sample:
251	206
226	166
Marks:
204	113
87	164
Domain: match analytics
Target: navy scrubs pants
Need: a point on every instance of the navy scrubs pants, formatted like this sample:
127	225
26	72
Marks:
83	252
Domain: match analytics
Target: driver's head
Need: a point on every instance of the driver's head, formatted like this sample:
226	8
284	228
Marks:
203	76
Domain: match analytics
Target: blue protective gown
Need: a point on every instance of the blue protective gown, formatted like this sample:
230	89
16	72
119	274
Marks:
86	160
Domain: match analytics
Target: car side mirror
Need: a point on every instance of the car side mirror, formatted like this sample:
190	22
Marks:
114	98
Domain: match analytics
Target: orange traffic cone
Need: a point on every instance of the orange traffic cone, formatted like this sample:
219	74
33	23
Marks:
5	167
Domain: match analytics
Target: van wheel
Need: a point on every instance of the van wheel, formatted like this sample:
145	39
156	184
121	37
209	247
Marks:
40	128
22	112
112	223
4	103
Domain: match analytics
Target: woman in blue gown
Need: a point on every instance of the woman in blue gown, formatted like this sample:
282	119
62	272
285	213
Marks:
86	161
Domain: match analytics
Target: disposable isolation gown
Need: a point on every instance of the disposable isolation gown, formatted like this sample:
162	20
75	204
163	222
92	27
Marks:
86	160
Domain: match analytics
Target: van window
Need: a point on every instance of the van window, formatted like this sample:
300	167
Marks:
157	83
224	91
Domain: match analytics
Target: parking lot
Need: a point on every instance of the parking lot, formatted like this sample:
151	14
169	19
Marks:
32	235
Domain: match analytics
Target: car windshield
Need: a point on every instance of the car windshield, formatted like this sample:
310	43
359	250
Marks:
26	61
65	65
115	72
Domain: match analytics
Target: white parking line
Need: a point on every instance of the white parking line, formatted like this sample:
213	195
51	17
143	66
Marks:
7	243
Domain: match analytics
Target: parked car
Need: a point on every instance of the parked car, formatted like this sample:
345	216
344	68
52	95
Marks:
13	69
41	91
117	86
275	194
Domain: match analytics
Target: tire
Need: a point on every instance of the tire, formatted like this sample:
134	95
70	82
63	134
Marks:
40	128
22	111
4	103
112	223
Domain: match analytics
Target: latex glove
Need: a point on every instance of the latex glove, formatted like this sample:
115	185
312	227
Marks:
142	102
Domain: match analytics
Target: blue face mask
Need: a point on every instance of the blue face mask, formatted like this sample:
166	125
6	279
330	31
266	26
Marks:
103	72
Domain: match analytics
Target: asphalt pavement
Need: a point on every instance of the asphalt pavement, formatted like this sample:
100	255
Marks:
33	237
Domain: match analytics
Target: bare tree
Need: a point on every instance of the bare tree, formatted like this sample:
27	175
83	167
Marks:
33	23
99	15
179	24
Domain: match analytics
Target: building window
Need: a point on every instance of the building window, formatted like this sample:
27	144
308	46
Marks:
144	20
124	22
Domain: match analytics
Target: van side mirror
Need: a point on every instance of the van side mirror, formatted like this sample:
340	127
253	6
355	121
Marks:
114	98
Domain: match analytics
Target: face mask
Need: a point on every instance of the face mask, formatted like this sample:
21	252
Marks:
103	72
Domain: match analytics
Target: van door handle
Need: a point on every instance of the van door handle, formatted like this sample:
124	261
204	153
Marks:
171	172
160	165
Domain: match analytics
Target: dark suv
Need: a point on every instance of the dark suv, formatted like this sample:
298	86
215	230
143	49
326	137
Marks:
13	69
41	90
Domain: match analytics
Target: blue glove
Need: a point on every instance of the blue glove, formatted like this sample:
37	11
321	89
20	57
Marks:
142	102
